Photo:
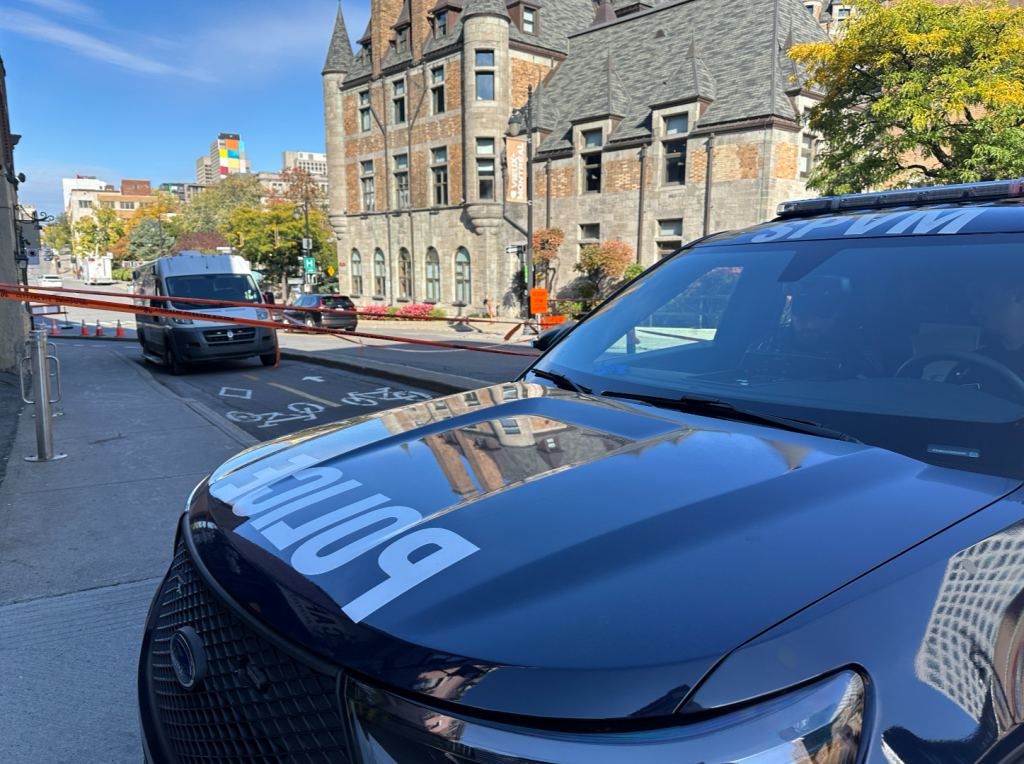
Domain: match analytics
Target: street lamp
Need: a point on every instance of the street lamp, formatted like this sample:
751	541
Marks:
301	211
524	117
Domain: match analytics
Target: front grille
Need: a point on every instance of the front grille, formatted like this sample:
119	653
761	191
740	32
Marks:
294	721
239	335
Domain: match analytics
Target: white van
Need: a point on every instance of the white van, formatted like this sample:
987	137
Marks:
177	341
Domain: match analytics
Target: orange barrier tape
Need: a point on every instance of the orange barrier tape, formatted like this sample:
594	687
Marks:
267	306
22	294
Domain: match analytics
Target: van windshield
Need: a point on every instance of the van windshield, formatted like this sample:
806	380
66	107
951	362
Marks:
912	344
231	287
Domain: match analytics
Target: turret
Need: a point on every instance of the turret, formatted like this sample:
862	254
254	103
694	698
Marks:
338	63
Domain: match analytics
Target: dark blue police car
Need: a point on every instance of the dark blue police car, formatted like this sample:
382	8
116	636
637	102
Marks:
763	505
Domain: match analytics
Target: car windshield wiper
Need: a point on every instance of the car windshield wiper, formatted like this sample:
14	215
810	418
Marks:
560	380
724	410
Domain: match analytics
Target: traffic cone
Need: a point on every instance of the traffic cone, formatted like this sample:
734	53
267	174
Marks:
120	331
85	332
53	328
99	329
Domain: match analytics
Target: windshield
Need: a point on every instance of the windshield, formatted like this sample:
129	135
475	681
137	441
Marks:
232	287
915	345
337	302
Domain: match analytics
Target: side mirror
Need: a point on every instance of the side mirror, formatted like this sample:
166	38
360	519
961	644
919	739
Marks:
548	337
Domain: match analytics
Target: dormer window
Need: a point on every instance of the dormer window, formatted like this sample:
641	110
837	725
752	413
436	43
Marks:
441	24
402	39
529	21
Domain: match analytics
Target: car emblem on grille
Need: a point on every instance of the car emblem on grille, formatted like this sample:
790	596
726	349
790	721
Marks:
231	334
188	657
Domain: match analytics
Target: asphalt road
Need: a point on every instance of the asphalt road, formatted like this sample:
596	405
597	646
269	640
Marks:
269	403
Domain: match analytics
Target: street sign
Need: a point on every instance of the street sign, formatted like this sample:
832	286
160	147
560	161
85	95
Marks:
330	270
309	264
307	244
297	280
515	249
515	152
538	302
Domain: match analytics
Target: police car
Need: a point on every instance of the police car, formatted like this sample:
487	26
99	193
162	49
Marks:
764	504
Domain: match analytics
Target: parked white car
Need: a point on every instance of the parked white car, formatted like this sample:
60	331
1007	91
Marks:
50	280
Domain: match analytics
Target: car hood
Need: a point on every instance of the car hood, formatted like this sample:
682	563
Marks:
576	557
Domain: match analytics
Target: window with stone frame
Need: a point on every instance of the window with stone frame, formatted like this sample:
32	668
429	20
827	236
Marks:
808	155
433	275
364	112
670	234
591	140
590	232
380	277
485	179
439	171
675	162
357	273
485	75
369	186
401	181
398	101
463	277
404	274
437	90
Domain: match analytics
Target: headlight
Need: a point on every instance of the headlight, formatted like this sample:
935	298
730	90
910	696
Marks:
182	320
818	723
261	315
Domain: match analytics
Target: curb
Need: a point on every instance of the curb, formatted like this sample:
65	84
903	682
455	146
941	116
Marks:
230	429
104	338
430	380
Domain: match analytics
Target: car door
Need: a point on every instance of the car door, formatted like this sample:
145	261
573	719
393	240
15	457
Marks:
156	326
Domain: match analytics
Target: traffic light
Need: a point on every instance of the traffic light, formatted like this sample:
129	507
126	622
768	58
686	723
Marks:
241	238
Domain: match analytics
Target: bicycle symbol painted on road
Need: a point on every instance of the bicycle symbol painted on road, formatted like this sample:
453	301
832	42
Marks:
374	397
299	411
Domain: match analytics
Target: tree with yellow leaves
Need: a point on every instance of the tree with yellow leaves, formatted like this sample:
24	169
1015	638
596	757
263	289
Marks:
918	93
164	208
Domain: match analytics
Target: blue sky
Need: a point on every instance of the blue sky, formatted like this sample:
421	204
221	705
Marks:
128	89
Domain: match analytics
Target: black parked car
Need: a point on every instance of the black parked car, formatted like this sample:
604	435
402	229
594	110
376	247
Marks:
764	504
329	320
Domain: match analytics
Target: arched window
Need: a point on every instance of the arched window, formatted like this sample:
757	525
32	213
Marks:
463	277
380	280
357	272
433	275
404	273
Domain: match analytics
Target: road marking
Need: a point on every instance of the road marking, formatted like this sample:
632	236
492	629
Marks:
235	392
332	404
315	379
250	376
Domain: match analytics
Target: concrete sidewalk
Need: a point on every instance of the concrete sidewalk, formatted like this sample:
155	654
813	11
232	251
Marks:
83	544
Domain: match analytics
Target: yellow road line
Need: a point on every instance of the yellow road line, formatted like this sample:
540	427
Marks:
250	376
332	404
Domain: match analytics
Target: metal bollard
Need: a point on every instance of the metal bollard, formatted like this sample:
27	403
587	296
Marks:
39	359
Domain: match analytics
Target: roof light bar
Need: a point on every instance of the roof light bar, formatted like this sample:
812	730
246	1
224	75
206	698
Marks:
991	190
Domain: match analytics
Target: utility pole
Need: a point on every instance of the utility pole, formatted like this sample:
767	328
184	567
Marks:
516	122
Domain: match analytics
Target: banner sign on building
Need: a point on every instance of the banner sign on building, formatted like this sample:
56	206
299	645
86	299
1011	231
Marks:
516	152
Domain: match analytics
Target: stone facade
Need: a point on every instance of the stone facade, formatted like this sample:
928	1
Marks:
401	238
13	321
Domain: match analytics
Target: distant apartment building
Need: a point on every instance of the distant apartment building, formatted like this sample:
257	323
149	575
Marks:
82	183
227	157
314	163
132	195
185	192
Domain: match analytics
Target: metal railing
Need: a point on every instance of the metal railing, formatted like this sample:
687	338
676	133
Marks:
42	365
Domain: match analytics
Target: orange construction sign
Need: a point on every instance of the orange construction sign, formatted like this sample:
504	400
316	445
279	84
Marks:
538	302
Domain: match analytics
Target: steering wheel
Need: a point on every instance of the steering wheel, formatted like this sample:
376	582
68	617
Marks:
917	364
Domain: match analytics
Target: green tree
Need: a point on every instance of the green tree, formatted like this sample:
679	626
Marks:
149	240
85	241
211	210
109	227
57	235
918	92
299	187
285	259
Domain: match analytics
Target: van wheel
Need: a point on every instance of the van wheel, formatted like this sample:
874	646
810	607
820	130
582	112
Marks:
268	359
177	367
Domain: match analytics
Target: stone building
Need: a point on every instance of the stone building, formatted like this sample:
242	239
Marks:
416	122
13	321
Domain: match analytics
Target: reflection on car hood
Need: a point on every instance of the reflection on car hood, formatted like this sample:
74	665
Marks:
608	554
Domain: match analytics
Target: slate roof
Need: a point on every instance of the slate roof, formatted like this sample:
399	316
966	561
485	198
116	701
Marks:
730	61
339	53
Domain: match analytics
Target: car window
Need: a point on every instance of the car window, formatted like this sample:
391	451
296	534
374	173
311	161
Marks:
912	344
337	302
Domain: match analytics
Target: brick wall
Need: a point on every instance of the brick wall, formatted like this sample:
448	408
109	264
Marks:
525	74
561	181
420	179
384	13
787	156
453	85
355	200
372	143
436	129
624	175
454	173
735	161
351	114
